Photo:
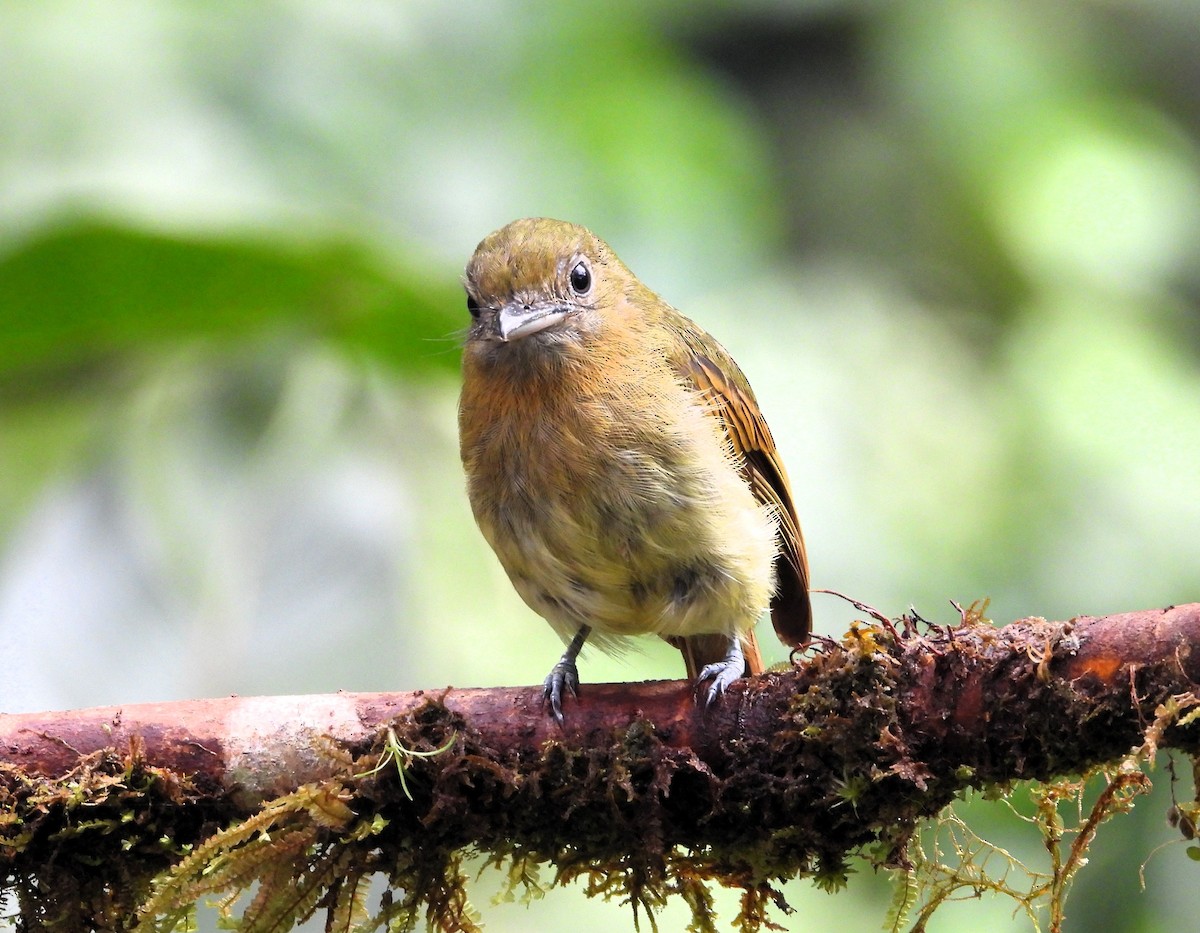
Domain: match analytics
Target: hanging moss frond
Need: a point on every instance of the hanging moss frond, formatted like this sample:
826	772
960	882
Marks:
949	861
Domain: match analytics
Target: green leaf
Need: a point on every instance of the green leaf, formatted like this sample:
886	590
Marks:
74	298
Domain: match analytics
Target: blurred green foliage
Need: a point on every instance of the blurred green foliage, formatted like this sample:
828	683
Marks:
80	296
954	246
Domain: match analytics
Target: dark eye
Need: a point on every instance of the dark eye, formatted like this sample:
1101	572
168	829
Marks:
581	278
472	306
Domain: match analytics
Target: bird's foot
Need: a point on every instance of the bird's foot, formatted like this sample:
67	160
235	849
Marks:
563	678
564	675
715	678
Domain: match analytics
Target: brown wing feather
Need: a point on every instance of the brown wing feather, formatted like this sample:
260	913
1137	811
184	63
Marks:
734	403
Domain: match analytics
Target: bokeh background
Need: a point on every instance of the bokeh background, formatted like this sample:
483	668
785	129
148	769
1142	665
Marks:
954	245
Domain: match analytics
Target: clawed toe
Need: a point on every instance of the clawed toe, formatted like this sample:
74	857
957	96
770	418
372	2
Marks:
564	677
720	674
715	679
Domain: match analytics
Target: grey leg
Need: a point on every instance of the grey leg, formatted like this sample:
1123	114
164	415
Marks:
565	675
722	673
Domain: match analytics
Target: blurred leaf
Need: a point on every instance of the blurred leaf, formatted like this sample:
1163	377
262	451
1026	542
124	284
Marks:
75	297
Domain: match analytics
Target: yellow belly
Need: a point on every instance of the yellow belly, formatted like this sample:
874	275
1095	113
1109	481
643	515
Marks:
657	539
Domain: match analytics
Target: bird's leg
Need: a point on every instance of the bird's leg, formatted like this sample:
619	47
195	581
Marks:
564	674
722	673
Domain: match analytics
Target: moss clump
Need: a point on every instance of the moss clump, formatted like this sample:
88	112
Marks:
621	815
827	760
81	852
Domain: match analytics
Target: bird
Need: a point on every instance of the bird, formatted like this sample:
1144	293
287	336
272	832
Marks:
618	464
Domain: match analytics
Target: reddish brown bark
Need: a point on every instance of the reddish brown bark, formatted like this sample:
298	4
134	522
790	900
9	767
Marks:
1028	700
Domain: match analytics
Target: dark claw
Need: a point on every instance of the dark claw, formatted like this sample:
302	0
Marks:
563	674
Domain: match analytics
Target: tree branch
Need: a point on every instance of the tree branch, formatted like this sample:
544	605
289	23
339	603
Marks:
791	773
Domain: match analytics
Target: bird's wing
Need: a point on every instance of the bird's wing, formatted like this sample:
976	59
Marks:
715	374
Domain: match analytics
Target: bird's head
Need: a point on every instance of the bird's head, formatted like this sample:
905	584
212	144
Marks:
540	282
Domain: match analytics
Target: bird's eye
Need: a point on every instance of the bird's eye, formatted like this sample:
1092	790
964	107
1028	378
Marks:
581	278
472	306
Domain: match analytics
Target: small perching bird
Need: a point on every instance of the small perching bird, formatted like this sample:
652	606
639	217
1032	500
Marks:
617	461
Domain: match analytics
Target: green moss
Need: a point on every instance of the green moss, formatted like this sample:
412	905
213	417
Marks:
620	816
81	852
826	767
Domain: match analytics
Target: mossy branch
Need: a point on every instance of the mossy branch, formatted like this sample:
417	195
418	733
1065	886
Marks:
640	795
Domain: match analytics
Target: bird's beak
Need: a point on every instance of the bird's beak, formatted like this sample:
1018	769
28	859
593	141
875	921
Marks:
516	320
